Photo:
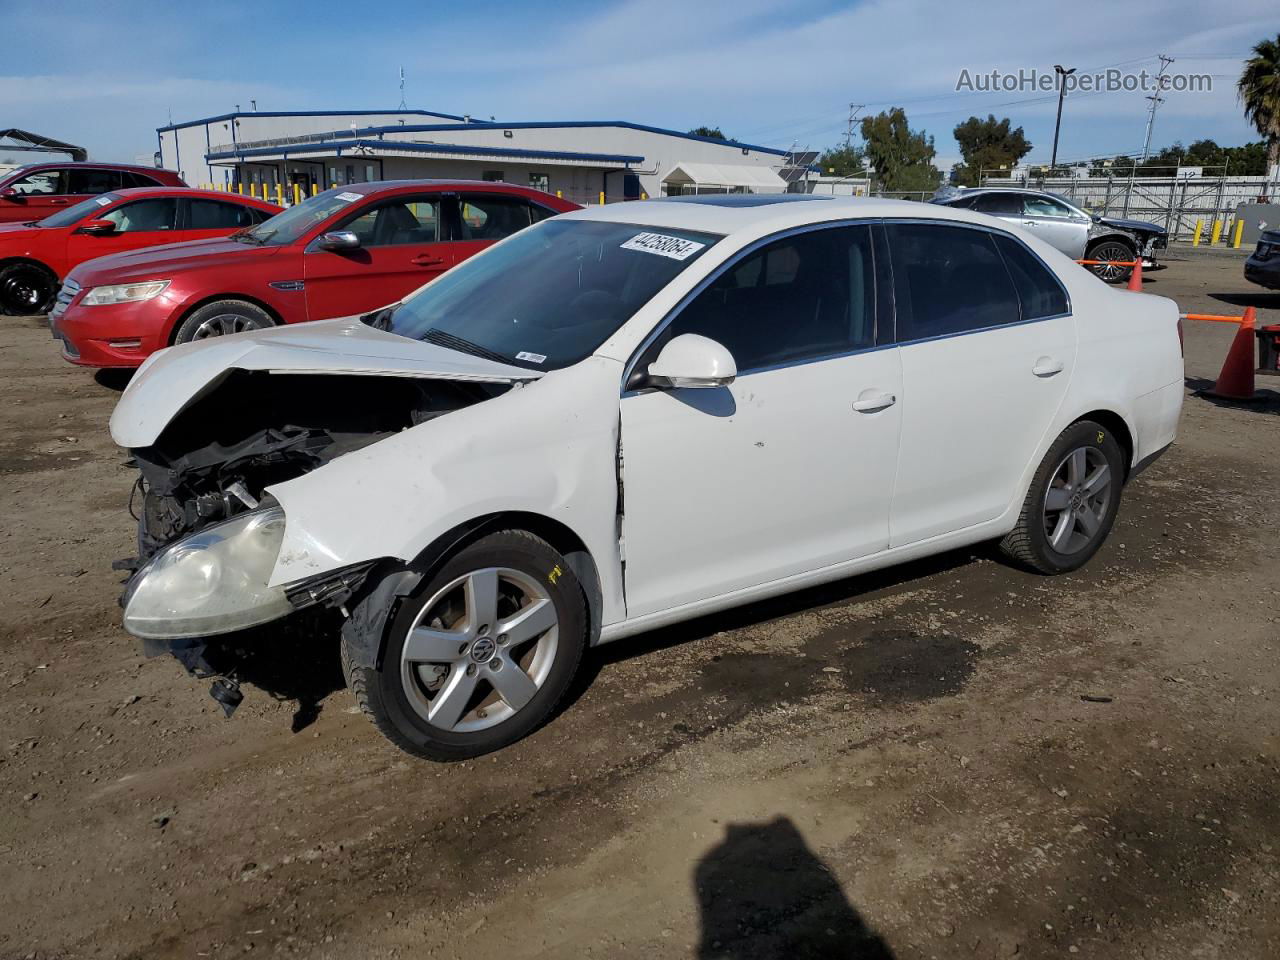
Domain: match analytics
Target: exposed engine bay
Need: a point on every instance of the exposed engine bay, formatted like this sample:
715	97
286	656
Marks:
256	428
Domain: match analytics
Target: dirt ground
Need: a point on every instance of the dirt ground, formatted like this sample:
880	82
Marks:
950	759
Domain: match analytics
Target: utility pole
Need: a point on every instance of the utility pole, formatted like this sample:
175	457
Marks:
1156	100
848	130
1062	73
403	105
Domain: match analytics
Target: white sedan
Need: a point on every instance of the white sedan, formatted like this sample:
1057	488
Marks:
629	416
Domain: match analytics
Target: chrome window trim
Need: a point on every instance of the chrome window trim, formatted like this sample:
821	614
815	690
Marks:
1021	321
735	260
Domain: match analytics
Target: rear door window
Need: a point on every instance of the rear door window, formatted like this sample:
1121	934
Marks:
998	204
948	279
217	215
132	179
91	181
492	217
1039	291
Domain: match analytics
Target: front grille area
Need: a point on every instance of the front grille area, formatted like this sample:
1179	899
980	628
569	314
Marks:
65	296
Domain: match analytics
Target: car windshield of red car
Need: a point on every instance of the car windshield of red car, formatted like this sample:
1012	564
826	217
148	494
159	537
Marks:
73	215
285	228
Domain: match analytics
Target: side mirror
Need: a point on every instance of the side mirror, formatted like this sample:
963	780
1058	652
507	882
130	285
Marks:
10	193
339	240
692	361
98	227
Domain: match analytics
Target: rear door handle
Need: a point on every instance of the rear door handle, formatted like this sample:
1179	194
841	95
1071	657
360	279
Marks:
1047	367
426	260
58	203
871	401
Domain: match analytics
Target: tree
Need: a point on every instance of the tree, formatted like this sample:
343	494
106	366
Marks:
712	132
1259	90
902	157
843	161
988	144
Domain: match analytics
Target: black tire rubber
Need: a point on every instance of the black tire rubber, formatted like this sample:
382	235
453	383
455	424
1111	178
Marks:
250	311
26	289
1027	542
381	697
1119	245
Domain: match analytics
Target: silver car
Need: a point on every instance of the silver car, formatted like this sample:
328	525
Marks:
1078	233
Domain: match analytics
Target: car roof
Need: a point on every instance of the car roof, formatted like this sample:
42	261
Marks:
729	217
136	192
389	186
93	164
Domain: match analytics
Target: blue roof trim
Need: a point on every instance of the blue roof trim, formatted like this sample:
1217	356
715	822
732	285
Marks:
340	145
307	113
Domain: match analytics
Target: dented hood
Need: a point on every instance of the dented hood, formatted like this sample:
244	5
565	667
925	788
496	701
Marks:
171	379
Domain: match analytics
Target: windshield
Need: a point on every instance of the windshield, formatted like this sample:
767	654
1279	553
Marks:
551	294
73	215
285	228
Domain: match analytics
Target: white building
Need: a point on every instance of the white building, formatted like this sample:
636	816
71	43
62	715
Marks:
580	160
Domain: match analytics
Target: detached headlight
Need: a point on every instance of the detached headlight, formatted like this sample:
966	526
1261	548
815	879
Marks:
124	293
212	582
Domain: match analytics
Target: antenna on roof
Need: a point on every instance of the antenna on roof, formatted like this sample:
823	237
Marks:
403	105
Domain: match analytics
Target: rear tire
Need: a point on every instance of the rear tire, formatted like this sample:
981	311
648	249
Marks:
222	317
1111	250
469	670
1072	503
26	289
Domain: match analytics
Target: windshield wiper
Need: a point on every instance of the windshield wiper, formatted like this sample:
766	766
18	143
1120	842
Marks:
442	339
258	239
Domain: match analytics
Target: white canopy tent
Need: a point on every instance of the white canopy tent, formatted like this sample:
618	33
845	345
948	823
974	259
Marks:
722	178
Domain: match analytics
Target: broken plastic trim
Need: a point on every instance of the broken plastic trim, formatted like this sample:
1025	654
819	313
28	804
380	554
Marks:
334	588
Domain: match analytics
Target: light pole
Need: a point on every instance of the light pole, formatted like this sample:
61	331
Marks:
1062	91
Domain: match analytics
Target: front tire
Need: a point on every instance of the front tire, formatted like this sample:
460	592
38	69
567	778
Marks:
1111	250
1072	503
26	289
479	655
221	318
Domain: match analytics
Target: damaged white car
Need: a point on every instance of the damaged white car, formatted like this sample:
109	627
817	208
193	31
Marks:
629	416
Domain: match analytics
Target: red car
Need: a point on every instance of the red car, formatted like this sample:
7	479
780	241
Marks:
35	255
35	190
345	251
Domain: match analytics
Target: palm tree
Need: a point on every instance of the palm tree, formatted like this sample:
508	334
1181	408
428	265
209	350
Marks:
1259	90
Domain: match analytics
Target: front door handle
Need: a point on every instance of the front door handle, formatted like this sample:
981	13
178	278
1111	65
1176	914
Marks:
1047	367
58	203
871	401
427	260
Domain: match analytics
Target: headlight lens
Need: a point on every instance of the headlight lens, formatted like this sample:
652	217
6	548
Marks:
212	582
124	293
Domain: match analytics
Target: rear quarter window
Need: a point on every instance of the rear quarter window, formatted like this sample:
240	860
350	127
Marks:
1039	290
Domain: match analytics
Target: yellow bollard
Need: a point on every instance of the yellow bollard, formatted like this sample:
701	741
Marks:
1239	234
253	189
333	186
297	194
643	195
313	188
559	195
1217	232
1195	237
279	194
602	198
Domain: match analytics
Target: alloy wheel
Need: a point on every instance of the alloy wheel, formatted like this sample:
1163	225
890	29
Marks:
479	650
1112	252
225	323
1077	501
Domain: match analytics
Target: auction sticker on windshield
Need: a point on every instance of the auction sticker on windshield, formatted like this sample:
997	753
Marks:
677	248
349	197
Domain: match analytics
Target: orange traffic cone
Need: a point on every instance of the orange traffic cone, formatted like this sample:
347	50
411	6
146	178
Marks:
1235	382
1135	276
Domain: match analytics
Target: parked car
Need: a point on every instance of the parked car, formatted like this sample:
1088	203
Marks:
344	251
1079	234
626	417
36	190
1263	265
34	255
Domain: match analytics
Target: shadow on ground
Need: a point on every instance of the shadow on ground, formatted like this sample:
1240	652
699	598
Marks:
113	379
1261	299
1265	400
762	893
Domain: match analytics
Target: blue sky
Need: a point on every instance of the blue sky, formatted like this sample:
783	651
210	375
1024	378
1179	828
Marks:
105	74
